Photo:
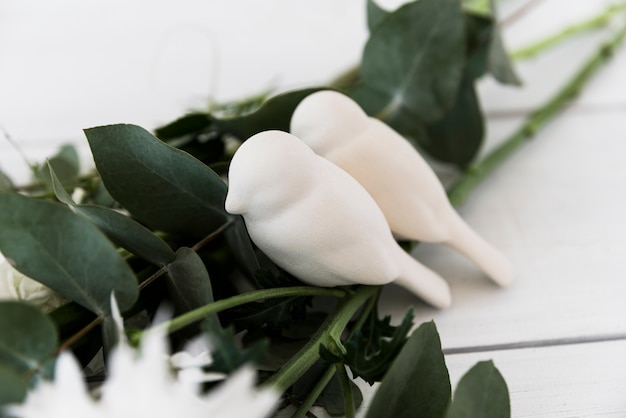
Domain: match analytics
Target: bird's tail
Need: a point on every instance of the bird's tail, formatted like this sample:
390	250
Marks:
465	240
422	281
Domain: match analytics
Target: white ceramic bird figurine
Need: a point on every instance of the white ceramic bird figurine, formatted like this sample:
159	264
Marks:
315	221
394	173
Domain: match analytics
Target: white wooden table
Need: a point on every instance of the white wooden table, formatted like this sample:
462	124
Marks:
557	208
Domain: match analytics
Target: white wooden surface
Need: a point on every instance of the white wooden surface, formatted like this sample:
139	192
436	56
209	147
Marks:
556	208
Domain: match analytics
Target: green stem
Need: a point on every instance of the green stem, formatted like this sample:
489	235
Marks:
315	393
221	305
328	333
459	192
346	390
595	22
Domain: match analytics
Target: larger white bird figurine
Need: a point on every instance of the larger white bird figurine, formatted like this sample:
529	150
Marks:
394	173
315	221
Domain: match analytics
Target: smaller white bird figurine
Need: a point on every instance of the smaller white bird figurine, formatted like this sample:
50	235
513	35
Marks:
315	221
394	173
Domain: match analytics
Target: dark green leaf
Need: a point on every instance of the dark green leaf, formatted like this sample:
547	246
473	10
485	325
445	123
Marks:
64	251
188	281
457	138
372	349
489	53
128	234
375	14
228	355
418	380
499	62
275	113
413	62
163	187
65	163
275	314
27	339
479	32
12	387
5	183
122	230
481	392
186	126
331	397
241	246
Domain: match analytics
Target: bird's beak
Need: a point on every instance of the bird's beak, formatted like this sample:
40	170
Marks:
234	204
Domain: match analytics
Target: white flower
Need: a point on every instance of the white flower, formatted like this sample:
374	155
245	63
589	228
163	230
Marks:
15	285
141	384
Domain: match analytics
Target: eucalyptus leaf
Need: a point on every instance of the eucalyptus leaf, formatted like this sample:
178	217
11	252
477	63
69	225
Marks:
481	392
165	188
65	163
12	387
27	339
375	14
500	64
185	127
478	7
457	138
5	183
275	113
51	244
413	62
122	230
241	246
188	281
417	384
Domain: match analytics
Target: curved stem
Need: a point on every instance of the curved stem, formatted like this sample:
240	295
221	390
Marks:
329	332
221	305
315	393
597	21
346	390
459	192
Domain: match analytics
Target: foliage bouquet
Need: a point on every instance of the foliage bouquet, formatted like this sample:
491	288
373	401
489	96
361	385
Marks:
134	293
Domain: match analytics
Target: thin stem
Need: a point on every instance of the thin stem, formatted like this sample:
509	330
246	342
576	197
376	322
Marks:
80	334
315	393
597	21
212	235
329	332
228	303
459	192
346	390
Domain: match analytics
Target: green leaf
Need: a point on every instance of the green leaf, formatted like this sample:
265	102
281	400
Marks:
486	48
5	183
481	392
228	355
275	314
187	126
165	188
413	62
65	163
372	349
375	14
27	339
12	387
275	113
188	282
122	230
64	251
331	397
500	64
418	380
457	138
241	246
